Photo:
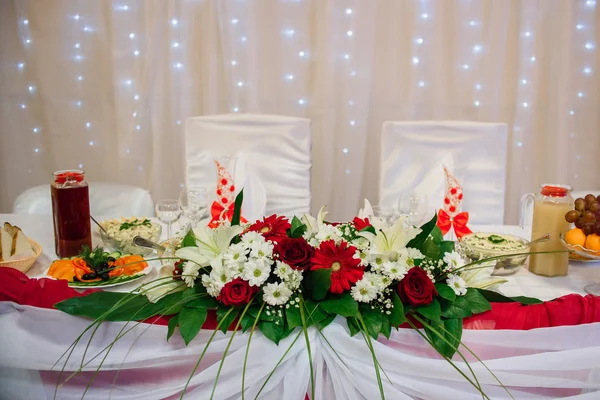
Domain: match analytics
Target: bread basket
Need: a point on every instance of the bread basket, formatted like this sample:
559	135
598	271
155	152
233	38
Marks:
25	264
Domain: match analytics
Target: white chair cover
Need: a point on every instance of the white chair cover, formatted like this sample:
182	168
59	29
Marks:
277	149
413	153
106	199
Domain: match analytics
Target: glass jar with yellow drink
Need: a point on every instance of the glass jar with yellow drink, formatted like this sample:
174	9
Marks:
549	208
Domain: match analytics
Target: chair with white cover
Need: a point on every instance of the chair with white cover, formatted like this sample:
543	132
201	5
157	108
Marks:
276	150
413	152
106	200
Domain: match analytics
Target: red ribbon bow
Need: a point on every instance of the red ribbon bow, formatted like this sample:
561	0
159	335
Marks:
459	223
218	213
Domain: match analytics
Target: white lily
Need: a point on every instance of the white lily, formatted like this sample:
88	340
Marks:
162	286
210	242
366	211
480	276
389	238
314	225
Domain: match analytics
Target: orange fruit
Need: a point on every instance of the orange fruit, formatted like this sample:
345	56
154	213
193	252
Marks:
575	236
592	242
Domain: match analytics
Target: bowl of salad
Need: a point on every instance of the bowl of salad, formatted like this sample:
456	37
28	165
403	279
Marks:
510	250
120	233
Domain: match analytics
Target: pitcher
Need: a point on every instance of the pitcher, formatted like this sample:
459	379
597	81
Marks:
549	208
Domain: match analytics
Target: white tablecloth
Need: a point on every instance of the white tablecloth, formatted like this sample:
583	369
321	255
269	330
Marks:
541	363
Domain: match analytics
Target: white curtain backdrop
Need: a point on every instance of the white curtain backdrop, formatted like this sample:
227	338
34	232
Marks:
106	85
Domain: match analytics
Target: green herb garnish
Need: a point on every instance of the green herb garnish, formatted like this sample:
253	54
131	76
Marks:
135	222
496	239
94	258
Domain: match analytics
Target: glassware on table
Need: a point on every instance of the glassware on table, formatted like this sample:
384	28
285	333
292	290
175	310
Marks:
415	208
71	212
167	212
550	205
225	194
194	205
388	214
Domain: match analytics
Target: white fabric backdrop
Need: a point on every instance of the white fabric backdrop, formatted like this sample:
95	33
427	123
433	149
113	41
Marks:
107	84
541	363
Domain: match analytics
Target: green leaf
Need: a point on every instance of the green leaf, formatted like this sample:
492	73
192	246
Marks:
287	332
189	240
445	291
271	330
172	325
292	314
372	319
135	307
297	229
323	323
386	327
397	316
426	229
430	249
314	313
190	321
431	311
436	235
247	322
227	319
477	303
343	305
320	282
457	309
446	246
203	302
353	325
448	329
237	210
370	229
496	297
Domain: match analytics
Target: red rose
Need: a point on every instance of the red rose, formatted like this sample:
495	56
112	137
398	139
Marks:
272	228
361	224
295	252
236	293
416	288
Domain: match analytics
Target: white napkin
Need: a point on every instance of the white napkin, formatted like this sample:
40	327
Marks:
255	195
366	211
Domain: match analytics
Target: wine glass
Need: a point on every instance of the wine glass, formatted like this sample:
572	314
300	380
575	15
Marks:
168	211
194	205
414	207
388	214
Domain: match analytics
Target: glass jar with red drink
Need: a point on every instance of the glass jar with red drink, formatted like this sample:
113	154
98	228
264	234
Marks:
71	212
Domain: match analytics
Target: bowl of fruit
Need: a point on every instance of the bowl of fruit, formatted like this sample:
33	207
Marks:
583	241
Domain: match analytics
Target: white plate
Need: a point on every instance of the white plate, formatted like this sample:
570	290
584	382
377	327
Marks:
110	285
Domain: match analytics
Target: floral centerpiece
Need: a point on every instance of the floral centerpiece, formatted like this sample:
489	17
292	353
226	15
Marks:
282	277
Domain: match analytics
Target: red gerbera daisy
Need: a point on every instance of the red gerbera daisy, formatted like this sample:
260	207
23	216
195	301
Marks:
340	259
361	223
273	228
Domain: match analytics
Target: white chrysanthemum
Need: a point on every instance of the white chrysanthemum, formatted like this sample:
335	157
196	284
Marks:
256	271
213	288
379	281
362	256
415	254
282	270
328	232
236	253
363	291
394	269
294	279
221	274
457	284
361	243
250	237
190	272
276	294
454	260
262	249
376	261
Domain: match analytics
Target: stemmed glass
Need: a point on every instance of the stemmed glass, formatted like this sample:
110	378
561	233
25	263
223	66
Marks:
414	207
387	213
194	204
168	211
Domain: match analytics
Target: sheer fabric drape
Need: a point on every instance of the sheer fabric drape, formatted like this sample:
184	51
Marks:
106	85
